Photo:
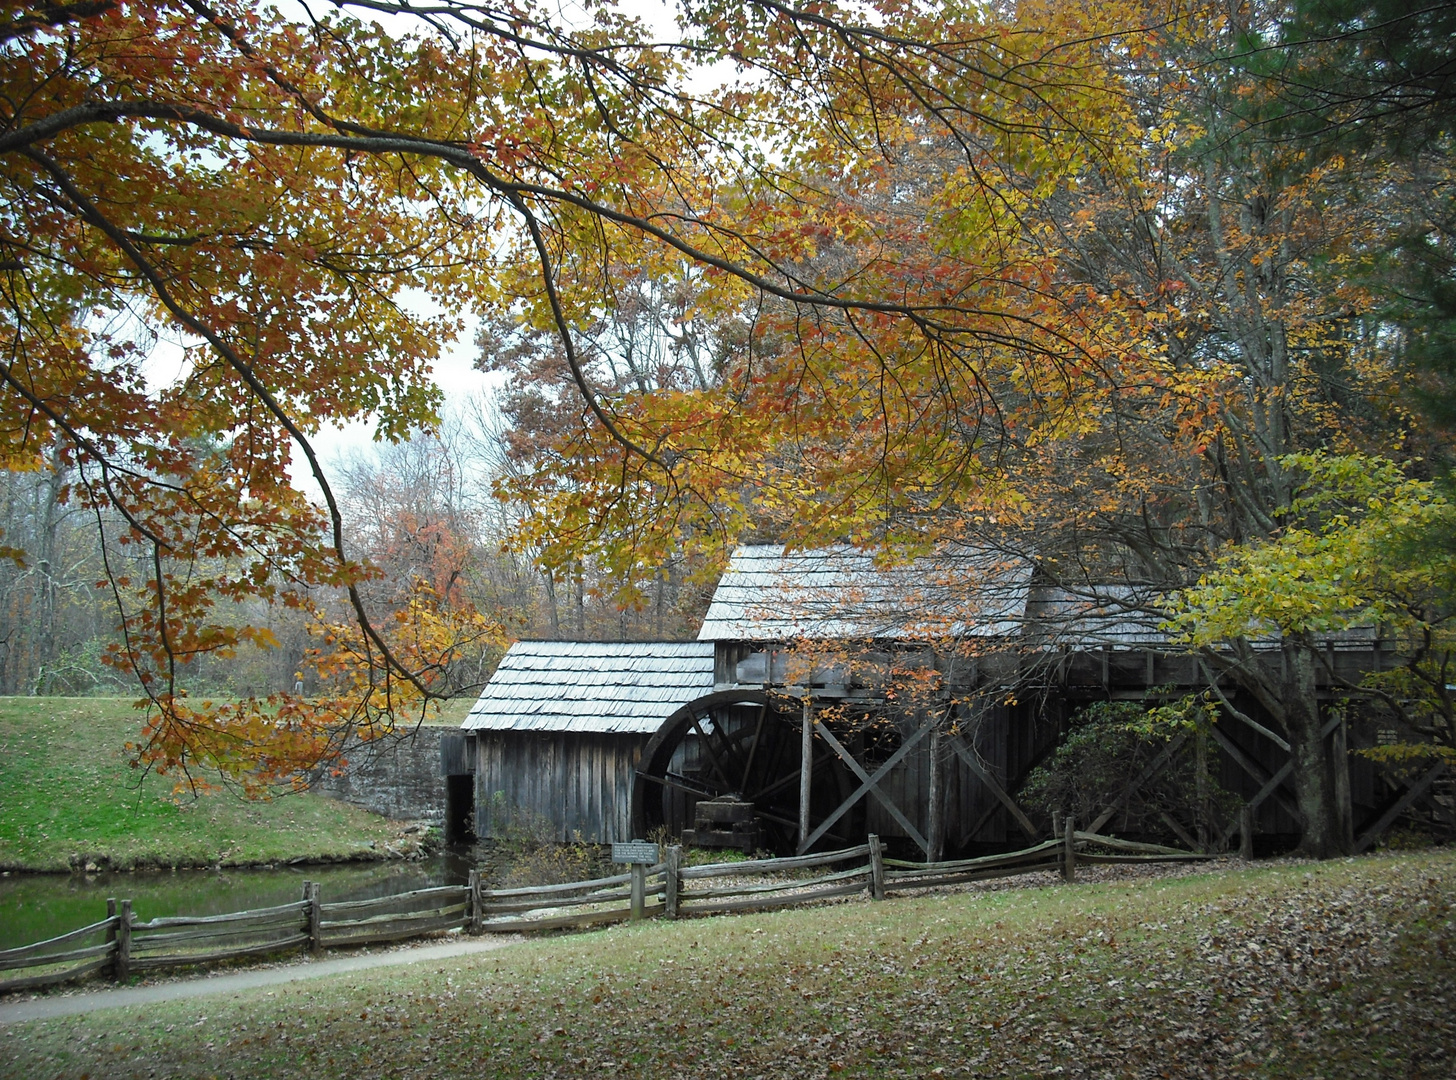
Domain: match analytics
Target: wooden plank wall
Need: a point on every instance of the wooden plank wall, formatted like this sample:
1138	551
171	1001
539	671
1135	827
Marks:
563	785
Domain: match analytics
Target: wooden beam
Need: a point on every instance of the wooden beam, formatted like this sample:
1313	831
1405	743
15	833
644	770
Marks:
933	818
1157	765
1344	801
1272	786
1178	830
707	745
1412	793
1278	778
870	784
667	781
806	772
981	821
1254	769
983	774
753	749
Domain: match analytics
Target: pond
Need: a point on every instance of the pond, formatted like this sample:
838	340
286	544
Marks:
37	906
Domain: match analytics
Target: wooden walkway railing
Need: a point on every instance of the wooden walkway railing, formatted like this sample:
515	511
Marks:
122	945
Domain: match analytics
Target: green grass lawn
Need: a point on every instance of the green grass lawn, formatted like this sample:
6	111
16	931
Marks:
67	792
449	713
1337	970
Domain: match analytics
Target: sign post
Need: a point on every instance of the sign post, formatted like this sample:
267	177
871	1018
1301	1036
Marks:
640	854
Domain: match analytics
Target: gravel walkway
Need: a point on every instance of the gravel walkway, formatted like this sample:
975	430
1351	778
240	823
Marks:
46	1008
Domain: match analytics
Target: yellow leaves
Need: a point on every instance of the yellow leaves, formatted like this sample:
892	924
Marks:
1352	555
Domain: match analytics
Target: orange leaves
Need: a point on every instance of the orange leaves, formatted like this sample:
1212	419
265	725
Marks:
190	299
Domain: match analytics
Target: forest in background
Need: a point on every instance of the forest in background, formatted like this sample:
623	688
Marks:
422	507
1157	298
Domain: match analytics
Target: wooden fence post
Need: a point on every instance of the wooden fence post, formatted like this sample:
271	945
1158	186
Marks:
1246	832
639	890
1069	854
314	913
474	916
111	930
673	879
877	868
122	966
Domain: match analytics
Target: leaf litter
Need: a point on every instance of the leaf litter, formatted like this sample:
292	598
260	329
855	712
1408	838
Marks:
1292	970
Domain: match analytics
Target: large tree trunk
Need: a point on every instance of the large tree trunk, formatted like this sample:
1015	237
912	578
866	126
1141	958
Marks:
1315	789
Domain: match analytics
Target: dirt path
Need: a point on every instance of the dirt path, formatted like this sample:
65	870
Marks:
47	1008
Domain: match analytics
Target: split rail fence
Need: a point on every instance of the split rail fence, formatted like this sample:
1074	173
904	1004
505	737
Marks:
122	945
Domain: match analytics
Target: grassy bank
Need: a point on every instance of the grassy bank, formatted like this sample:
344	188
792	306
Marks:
1338	970
68	794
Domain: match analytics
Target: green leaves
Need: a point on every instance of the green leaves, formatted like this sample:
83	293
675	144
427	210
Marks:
1356	552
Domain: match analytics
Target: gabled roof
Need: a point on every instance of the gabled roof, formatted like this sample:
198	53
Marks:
623	687
767	594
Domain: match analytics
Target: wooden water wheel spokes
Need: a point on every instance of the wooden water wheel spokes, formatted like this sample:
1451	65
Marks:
739	754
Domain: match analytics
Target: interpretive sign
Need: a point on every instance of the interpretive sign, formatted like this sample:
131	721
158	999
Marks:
635	851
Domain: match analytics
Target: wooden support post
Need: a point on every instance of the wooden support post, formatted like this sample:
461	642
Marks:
122	965
639	890
806	771
473	909
1246	832
1057	824
1340	765
1201	828
673	882
1069	852
934	820
314	915
877	868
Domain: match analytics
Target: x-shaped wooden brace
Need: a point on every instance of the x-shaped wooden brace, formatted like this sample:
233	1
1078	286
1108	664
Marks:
1412	793
1272	785
869	785
973	763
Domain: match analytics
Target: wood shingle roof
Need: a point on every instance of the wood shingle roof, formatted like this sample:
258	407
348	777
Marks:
612	686
768	594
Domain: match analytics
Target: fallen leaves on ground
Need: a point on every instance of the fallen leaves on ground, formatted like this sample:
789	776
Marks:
1333	970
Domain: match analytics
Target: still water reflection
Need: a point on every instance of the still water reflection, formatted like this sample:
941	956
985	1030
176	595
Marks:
38	906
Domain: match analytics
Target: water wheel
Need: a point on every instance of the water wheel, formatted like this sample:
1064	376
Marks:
730	751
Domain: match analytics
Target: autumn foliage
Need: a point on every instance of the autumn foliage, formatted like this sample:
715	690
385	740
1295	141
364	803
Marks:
1032	276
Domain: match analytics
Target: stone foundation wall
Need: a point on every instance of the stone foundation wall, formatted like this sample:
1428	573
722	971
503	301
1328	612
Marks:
399	778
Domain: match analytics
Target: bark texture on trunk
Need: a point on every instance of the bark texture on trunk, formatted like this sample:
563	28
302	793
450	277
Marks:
1315	787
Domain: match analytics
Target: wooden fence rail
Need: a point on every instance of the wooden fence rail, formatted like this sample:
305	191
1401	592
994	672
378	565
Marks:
574	904
123	945
61	958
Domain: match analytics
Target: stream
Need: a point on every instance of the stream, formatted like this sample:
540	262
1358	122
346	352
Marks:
38	906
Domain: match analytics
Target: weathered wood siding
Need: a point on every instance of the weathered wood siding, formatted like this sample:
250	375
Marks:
457	753
561	786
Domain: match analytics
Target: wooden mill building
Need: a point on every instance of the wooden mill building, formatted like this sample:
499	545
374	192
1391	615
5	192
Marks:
829	696
553	742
